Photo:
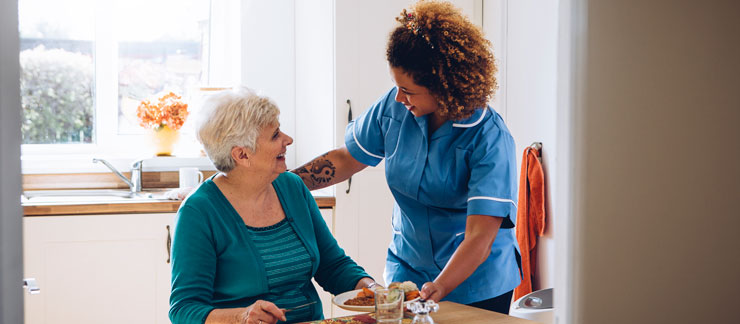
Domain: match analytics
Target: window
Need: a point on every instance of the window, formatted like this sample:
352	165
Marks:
84	73
122	51
158	52
57	72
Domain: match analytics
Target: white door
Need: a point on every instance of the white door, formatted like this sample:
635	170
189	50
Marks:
363	216
98	268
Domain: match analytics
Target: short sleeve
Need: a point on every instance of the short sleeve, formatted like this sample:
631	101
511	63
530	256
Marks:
364	136
492	186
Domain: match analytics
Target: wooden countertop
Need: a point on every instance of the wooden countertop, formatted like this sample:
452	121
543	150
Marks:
449	313
454	313
132	207
85	181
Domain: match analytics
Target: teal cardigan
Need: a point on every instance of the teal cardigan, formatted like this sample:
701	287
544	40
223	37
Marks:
215	264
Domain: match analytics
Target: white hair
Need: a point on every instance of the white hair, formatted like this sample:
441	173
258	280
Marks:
233	118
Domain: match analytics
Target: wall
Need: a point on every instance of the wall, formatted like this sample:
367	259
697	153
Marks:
11	262
268	57
570	31
314	100
524	37
287	51
655	123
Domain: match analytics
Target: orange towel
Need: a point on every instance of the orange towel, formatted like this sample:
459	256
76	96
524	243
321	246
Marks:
530	218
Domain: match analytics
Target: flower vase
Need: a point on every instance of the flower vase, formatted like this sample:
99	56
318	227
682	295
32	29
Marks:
164	139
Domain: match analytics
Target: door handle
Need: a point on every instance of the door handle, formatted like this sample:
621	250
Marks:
31	285
349	120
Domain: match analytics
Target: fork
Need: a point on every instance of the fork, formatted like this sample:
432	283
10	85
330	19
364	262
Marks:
300	306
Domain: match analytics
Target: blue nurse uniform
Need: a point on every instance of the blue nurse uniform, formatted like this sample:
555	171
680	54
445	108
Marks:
466	168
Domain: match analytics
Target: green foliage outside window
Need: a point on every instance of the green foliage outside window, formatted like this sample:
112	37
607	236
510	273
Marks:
56	96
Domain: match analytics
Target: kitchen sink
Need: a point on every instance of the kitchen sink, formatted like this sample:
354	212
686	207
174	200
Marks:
91	196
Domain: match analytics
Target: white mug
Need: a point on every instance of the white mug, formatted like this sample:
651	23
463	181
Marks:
190	177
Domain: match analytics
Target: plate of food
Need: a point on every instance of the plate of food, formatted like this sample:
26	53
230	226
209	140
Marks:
363	300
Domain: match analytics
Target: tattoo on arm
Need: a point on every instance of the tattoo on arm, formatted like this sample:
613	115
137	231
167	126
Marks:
318	173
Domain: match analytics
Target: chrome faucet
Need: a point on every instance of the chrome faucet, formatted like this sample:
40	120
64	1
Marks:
135	182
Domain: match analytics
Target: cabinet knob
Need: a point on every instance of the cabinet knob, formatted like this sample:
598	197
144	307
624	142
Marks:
31	286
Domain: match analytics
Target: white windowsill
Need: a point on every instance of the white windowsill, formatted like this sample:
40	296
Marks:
82	163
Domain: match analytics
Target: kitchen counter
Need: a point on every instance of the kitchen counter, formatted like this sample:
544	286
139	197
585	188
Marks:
120	207
106	183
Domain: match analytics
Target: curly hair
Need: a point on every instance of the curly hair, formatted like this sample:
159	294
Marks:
443	51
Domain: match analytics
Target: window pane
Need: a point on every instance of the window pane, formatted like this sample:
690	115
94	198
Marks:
160	48
57	74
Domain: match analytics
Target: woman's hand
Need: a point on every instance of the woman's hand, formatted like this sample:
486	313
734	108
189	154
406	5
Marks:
262	312
432	291
366	282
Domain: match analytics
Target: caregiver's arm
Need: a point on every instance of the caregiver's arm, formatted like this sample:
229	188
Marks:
480	232
330	168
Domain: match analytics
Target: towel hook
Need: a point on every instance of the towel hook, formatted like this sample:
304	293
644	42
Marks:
538	147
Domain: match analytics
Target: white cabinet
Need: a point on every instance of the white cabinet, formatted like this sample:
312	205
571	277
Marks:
104	268
98	268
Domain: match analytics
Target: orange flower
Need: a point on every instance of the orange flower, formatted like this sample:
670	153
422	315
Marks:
169	111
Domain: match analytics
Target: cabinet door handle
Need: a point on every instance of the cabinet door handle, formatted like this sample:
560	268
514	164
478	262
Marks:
30	284
349	120
169	243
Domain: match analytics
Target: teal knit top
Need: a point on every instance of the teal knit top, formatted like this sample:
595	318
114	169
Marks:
288	267
216	263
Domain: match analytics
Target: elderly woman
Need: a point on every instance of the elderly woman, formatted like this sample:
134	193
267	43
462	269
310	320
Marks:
248	241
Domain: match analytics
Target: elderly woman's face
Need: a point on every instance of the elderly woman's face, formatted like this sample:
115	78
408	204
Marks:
417	99
271	147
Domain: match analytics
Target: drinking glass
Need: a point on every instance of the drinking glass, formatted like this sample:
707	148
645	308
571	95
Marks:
389	306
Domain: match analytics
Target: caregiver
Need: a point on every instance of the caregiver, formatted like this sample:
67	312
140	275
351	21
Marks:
449	161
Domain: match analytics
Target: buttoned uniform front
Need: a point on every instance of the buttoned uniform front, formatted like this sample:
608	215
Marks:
464	168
